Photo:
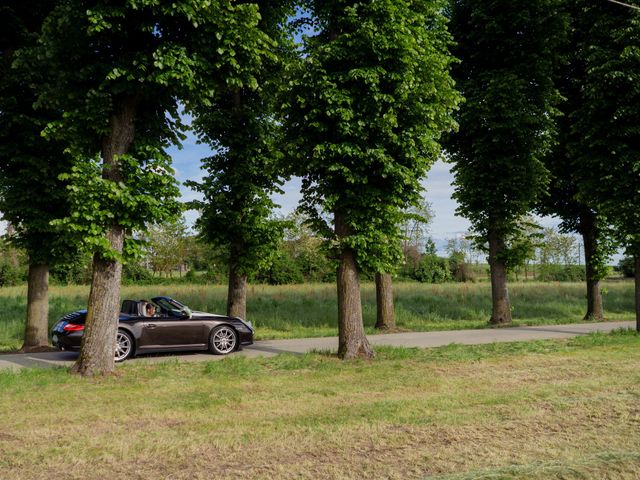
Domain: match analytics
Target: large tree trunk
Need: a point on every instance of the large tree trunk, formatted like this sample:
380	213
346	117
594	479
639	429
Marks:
36	335
637	274
98	342
237	292
595	310
385	318
352	342
501	313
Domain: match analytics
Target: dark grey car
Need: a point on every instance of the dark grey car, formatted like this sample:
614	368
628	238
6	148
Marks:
174	327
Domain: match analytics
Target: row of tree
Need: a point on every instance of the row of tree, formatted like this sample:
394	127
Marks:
358	112
550	124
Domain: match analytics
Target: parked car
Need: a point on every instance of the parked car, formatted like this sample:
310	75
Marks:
162	324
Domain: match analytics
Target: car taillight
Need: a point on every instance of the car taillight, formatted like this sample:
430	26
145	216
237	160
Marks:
72	327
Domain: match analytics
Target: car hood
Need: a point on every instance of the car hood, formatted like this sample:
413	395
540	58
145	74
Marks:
196	314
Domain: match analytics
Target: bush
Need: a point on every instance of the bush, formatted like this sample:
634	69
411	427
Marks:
463	272
10	275
627	267
76	272
133	272
315	266
433	269
561	273
282	271
460	270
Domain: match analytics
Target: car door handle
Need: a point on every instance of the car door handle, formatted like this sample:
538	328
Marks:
151	325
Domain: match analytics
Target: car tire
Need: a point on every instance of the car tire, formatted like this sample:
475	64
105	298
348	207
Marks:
223	340
124	346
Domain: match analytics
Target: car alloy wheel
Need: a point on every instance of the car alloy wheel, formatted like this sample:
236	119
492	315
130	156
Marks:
223	340
124	346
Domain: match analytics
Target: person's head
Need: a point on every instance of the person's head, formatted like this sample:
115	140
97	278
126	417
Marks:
150	309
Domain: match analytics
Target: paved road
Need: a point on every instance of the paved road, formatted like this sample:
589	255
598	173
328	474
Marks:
269	348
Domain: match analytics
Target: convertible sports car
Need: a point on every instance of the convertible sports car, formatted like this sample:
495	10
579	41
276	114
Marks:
164	324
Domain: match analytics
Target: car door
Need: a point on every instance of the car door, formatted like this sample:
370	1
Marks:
167	331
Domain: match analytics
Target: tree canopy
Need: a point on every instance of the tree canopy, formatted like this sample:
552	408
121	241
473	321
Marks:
508	53
368	108
31	194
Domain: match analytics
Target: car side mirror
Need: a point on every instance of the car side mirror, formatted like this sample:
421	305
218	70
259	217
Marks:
185	314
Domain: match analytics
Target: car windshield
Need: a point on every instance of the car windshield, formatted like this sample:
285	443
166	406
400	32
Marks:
170	306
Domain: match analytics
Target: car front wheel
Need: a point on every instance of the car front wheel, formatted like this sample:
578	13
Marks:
124	346
223	340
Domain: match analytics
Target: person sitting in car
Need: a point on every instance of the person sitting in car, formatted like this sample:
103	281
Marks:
150	310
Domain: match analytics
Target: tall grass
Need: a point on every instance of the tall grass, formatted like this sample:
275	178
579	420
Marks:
310	310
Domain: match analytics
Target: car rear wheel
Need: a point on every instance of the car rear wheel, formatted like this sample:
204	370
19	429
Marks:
223	340
124	346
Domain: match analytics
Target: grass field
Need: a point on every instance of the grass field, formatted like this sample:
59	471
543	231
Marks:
310	310
539	410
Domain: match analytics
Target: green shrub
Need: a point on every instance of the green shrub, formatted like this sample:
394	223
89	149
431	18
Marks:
11	275
283	271
461	271
433	269
627	267
561	273
77	272
133	272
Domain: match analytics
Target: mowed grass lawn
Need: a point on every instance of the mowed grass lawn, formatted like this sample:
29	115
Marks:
540	410
293	311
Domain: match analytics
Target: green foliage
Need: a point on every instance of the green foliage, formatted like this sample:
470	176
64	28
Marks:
578	214
507	51
11	274
627	267
242	128
282	270
166	248
136	274
557	249
561	273
76	272
606	118
368	107
433	269
461	271
31	193
141	57
415	226
307	250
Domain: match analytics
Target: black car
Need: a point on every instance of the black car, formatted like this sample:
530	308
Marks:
164	324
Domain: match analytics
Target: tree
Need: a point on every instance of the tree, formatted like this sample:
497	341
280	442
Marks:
606	120
307	249
563	200
366	114
31	194
167	246
507	51
415	225
117	71
414	228
242	128
556	248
